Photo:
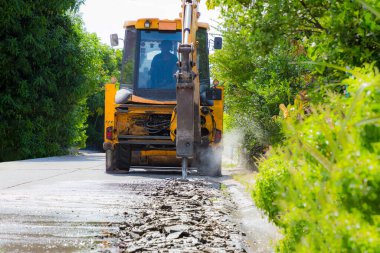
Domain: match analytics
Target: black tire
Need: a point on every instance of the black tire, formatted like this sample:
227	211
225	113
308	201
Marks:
119	159
124	159
210	162
110	160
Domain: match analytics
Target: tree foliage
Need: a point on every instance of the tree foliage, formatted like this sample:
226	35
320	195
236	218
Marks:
264	40
320	183
110	67
48	66
322	186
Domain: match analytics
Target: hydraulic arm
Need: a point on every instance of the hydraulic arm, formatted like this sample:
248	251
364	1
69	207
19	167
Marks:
188	125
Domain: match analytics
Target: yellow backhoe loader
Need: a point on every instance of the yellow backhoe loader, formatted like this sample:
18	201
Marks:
165	113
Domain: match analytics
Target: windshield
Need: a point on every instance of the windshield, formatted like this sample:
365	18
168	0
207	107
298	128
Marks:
158	59
150	62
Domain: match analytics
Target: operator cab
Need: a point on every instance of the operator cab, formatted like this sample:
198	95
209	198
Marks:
150	58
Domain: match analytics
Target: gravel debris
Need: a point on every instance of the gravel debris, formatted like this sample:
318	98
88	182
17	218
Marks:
181	216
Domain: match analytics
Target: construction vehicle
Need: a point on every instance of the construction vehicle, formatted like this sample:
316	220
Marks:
165	112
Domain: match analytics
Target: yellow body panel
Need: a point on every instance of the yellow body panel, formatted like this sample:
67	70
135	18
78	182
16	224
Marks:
126	121
109	104
218	108
156	158
158	153
150	109
209	125
137	99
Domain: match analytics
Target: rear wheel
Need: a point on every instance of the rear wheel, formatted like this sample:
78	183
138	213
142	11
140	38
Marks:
118	160
210	162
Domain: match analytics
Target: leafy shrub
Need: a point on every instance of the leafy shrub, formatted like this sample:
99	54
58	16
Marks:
109	67
262	38
273	172
48	67
320	184
328	200
252	102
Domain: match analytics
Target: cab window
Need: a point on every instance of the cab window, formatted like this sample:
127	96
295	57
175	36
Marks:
158	60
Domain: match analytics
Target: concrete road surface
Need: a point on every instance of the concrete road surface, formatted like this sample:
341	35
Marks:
63	204
68	204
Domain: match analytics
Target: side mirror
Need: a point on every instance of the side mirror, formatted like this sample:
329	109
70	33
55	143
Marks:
218	43
213	94
215	82
114	40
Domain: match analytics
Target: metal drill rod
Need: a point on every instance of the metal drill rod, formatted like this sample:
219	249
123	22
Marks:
187	22
184	168
185	131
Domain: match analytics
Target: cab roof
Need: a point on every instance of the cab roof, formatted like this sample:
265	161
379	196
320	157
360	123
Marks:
160	24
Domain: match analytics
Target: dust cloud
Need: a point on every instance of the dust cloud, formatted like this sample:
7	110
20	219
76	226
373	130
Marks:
233	149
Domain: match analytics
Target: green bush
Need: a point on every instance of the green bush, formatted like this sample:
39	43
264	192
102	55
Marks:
262	39
253	101
110	67
322	187
273	172
320	183
48	67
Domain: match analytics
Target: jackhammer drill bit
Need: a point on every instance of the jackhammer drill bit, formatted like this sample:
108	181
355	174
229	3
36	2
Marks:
184	168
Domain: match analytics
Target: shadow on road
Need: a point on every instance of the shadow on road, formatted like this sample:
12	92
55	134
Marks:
174	172
87	157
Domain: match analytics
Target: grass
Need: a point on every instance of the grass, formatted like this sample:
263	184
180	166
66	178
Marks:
247	179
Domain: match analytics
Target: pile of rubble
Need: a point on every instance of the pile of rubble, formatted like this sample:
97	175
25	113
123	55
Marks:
181	216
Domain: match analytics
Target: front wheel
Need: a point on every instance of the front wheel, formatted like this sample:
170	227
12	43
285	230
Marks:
118	160
210	162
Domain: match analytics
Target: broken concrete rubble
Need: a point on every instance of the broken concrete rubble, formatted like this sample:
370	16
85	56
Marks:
181	216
